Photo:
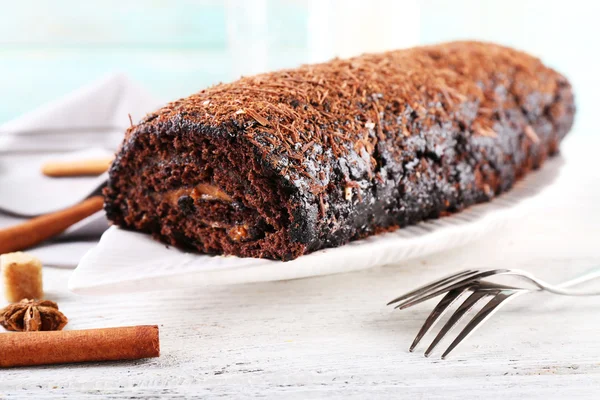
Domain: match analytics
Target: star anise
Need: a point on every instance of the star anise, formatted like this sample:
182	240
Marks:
31	315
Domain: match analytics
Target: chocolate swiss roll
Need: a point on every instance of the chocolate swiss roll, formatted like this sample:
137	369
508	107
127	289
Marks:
285	163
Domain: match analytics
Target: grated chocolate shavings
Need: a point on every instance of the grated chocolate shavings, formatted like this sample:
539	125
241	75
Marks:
260	119
530	132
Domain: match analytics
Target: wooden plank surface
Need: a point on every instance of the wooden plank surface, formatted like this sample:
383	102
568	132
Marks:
334	337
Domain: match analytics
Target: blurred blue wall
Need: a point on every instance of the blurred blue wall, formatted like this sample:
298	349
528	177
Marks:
50	47
176	47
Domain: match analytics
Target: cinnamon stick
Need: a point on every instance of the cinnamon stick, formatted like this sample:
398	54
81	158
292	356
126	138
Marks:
60	347
76	168
36	230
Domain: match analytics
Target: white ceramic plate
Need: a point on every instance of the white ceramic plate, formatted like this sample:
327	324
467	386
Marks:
127	261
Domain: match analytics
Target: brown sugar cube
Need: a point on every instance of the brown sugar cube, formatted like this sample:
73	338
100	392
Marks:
22	275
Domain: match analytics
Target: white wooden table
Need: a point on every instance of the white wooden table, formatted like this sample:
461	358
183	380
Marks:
334	337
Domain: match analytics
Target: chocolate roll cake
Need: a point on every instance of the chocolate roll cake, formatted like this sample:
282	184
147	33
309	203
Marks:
282	164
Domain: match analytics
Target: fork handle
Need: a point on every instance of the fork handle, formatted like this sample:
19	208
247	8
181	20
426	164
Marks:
36	230
590	275
562	288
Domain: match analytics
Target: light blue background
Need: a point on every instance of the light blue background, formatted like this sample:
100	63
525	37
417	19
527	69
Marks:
50	47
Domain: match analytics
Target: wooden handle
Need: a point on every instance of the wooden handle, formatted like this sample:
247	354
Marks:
59	169
36	230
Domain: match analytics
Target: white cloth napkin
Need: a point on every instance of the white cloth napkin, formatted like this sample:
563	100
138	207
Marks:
93	116
86	123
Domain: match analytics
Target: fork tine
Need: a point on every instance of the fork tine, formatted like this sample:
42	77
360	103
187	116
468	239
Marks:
430	285
434	292
458	314
486	312
437	313
438	288
431	294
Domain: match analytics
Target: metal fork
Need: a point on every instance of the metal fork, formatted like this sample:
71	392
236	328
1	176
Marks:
472	281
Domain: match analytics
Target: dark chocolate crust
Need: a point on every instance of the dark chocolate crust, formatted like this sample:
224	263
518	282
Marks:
314	157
